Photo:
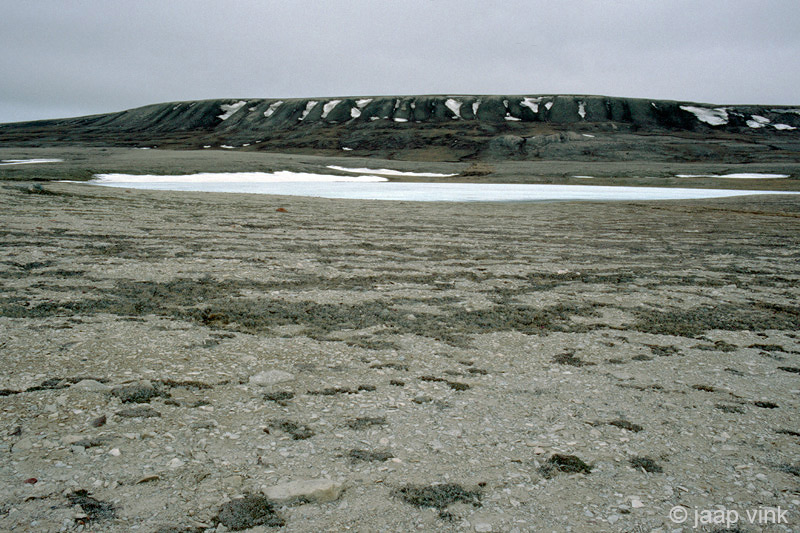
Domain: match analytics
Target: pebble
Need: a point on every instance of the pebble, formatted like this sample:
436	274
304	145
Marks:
313	490
270	377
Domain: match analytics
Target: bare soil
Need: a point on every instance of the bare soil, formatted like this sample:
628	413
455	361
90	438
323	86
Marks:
457	367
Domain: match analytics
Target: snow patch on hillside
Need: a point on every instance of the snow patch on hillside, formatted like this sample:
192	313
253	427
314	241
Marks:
229	109
714	117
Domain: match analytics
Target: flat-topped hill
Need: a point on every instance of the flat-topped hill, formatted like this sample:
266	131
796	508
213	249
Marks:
444	128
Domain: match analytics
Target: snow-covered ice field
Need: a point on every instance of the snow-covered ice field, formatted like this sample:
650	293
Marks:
373	187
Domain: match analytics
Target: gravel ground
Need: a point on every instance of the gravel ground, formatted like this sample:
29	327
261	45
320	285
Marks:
206	362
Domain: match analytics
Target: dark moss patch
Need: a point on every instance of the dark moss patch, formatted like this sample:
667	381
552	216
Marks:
438	496
394	366
248	512
91	442
137	393
366	388
455	385
641	357
616	361
562	463
397	383
718	346
705	388
790	469
734	371
728	408
792	369
8	392
50	384
788	432
138	412
370	456
295	430
479	371
768	347
569	358
625	424
366	422
663	351
422	400
646	463
758	316
94	509
280	397
766	405
186	384
331	391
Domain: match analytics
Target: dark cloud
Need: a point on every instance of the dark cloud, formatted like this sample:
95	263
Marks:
92	56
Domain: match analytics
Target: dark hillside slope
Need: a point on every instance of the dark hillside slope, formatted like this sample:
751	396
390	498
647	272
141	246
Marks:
446	128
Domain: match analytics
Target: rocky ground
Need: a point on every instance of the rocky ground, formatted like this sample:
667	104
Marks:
208	362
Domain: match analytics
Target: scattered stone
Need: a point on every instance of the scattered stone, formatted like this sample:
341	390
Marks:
98	422
247	512
568	464
305	491
270	377
138	412
646	463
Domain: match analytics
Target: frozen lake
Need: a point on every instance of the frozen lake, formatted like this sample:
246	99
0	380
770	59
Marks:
369	187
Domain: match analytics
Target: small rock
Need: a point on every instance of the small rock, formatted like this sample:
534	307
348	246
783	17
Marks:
99	421
90	385
270	377
115	452
248	512
175	463
307	490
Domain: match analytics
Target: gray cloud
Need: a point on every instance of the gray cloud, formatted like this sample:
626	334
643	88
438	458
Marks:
92	56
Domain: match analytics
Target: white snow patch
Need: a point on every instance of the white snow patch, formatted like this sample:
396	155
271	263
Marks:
714	117
453	105
509	117
272	108
795	111
783	127
346	148
531	103
389	172
398	119
505	103
548	105
6	162
584	177
355	112
582	110
475	106
588	135
309	106
229	109
226	146
363	102
746	176
231	177
374	118
758	121
328	107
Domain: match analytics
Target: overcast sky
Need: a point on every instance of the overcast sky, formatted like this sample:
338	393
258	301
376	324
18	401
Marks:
77	57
